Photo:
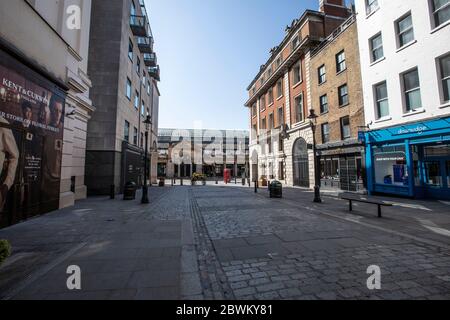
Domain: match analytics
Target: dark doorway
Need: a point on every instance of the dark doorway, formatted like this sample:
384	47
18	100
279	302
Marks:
301	163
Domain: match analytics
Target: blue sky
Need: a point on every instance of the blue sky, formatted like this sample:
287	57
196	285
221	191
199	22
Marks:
210	50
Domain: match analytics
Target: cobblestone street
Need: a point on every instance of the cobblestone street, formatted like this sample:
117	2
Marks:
226	242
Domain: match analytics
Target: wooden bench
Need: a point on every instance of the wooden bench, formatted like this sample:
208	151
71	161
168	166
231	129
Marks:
353	198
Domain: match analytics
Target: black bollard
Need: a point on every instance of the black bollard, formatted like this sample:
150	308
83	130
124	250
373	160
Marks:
256	186
182	182
112	192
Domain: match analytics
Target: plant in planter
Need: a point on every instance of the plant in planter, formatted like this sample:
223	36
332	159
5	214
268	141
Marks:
198	177
5	250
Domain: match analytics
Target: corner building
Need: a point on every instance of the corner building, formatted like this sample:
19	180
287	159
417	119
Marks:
281	145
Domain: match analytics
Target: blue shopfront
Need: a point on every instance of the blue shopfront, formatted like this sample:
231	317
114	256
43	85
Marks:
410	160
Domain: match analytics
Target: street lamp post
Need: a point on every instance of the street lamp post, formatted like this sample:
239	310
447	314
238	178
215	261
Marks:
313	118
145	199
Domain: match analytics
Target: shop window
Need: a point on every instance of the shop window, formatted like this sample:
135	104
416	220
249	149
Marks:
433	175
448	173
390	165
329	168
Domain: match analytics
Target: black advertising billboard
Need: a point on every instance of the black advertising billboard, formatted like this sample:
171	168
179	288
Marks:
31	141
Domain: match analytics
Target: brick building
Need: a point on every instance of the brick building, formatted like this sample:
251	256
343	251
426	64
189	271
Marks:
125	79
337	99
280	99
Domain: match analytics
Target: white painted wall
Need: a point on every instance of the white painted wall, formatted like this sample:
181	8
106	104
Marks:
430	44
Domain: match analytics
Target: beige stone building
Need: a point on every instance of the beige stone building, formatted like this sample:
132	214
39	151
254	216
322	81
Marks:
337	99
44	47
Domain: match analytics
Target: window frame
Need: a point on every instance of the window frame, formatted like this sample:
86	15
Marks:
126	131
322	77
280	89
340	98
444	99
406	91
130	50
373	49
137	99
322	110
129	89
340	63
435	11
379	100
280	111
300	96
341	121
322	126
400	33
297	66
369	8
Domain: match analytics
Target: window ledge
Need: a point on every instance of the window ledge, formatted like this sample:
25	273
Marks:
341	72
445	105
280	97
378	61
409	44
344	105
322	83
324	113
270	104
413	112
297	84
383	119
436	29
372	13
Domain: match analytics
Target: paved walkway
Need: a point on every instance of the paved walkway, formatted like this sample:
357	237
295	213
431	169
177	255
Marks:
226	242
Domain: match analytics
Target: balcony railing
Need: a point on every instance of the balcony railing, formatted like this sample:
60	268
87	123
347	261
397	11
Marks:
138	25
150	59
145	44
154	72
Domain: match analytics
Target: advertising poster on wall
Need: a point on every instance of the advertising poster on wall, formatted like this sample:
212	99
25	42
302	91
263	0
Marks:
31	139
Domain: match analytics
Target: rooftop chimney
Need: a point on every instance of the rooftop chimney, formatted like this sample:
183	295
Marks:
335	8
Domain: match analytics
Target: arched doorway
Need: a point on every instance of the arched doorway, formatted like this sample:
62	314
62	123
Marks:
300	163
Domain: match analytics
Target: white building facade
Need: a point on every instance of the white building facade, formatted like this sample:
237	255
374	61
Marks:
405	65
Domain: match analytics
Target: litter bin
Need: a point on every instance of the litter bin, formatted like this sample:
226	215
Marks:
129	191
276	189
